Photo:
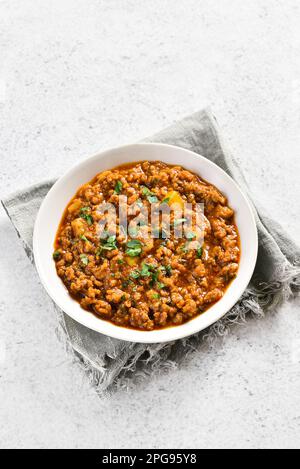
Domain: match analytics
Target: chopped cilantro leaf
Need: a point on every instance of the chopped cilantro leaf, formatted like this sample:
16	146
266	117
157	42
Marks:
56	255
109	244
133	252
156	296
152	199
166	200
145	272
146	191
84	259
135	274
133	248
86	216
199	253
118	187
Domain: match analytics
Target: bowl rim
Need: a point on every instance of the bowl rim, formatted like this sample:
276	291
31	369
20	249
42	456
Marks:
133	335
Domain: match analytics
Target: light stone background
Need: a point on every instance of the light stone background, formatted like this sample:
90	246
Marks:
77	77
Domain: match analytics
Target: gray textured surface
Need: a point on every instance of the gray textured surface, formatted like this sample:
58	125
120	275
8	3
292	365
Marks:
276	274
76	77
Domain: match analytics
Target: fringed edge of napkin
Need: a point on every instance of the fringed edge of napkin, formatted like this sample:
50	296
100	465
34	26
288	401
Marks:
256	301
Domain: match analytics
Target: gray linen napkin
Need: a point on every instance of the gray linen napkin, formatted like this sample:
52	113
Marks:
112	362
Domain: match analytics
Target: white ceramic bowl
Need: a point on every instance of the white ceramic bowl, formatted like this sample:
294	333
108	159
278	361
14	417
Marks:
64	189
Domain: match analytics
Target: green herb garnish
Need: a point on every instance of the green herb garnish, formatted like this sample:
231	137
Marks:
156	296
150	270
84	238
167	269
145	272
199	253
166	200
56	255
118	187
120	261
133	248
133	252
146	191
109	244
135	274
160	285
151	197
84	259
86	216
